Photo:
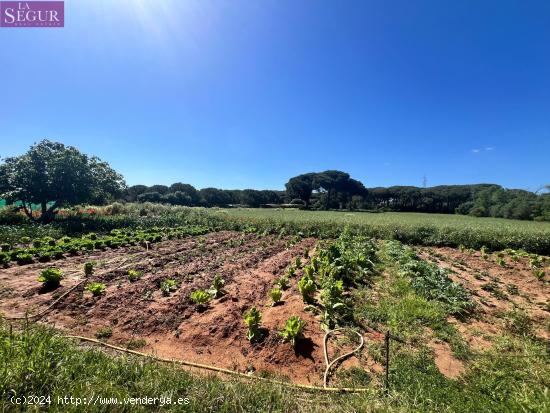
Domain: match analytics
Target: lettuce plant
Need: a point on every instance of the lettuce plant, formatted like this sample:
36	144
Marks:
96	289
307	288
332	302
253	320
89	268
169	285
51	277
216	289
200	297
283	283
293	330
134	275
275	295
24	258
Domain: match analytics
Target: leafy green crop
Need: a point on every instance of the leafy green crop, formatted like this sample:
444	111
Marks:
307	288
96	289
89	268
429	280
134	275
24	258
539	273
253	320
275	295
216	289
200	297
104	332
332	302
169	285
283	283
293	330
51	277
4	259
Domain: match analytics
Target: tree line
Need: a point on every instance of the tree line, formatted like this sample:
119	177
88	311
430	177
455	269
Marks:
186	194
51	176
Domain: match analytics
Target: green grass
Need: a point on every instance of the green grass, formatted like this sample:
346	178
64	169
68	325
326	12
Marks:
512	376
37	361
412	228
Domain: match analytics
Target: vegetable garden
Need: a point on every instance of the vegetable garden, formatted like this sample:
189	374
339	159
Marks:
258	298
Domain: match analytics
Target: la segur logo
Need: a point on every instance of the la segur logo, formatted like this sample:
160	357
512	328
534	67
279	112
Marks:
32	14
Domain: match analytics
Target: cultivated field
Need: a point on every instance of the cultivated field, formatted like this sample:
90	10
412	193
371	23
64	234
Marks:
416	228
467	328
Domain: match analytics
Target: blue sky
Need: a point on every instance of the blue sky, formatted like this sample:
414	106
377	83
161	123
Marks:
245	94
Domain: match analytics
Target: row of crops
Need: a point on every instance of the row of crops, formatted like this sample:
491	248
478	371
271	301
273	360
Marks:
324	285
45	249
409	228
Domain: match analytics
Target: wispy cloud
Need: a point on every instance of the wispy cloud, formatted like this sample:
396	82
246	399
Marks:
486	149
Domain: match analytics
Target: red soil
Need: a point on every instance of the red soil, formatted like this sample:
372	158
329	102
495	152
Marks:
171	325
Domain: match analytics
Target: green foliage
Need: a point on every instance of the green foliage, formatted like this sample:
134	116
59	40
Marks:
275	295
4	259
429	280
333	303
96	288
293	330
167	286
136	343
37	358
216	289
89	268
134	275
200	297
539	273
23	258
253	320
283	283
51	175
307	287
51	277
291	271
494	288
103	332
409	228
518	322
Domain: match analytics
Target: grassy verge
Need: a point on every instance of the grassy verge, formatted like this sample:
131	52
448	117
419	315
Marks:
39	362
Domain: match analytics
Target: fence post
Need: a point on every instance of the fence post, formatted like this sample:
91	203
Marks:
387	342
